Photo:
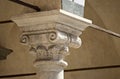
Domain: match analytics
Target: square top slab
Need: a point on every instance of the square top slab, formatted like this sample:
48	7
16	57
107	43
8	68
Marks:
53	16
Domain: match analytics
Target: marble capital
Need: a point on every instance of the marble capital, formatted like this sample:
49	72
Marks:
49	35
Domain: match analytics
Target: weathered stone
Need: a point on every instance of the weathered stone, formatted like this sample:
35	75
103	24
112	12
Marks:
75	7
49	34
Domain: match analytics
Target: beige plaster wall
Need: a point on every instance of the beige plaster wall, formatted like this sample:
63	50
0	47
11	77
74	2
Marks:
98	48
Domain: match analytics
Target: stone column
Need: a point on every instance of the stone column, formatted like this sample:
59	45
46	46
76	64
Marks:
49	35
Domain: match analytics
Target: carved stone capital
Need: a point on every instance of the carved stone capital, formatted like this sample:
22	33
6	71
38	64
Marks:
49	35
50	46
50	49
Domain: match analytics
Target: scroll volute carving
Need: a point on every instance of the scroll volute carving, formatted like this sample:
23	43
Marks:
49	35
50	46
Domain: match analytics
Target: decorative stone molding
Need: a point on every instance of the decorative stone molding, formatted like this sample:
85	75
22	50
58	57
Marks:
49	35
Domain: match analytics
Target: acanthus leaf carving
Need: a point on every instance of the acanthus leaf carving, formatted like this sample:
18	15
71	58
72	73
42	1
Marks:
50	46
49	35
